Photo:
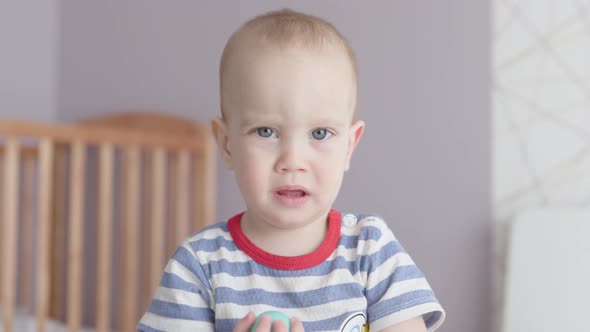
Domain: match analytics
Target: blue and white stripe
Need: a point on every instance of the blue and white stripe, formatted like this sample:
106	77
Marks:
209	284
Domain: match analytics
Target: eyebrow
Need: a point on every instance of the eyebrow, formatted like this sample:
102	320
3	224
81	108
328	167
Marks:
335	121
253	120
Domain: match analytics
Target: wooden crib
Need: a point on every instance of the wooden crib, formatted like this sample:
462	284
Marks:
91	211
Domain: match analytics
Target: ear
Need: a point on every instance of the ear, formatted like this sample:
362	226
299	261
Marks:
354	136
220	132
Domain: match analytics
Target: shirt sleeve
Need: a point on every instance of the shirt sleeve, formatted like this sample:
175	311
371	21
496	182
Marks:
182	301
396	289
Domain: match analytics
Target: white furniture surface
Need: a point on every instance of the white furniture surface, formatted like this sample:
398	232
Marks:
27	323
548	272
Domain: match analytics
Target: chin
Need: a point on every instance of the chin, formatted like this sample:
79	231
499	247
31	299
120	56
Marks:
294	218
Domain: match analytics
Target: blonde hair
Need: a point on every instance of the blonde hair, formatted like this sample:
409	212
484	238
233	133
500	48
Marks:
287	28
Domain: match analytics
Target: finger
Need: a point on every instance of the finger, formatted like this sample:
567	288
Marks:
264	324
296	325
279	326
244	324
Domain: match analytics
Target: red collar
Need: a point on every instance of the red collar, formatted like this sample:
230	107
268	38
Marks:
286	262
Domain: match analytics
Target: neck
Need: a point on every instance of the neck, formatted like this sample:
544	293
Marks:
280	241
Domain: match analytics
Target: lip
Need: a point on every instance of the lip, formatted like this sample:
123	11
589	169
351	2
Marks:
292	188
291	200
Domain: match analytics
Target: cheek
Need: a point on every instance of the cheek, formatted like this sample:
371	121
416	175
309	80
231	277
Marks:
247	167
329	166
332	155
252	166
247	177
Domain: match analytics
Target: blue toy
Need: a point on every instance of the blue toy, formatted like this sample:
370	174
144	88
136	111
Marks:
274	315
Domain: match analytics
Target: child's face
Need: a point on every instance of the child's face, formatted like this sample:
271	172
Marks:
288	132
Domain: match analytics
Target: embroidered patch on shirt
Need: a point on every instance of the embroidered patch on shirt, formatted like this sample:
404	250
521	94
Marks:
356	322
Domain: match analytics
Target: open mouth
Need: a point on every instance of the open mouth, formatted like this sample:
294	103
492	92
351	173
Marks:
292	196
292	193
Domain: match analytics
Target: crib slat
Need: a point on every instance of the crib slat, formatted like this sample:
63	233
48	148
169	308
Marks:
145	249
9	230
204	185
105	240
26	261
172	192
44	201
183	196
130	230
58	234
75	253
158	215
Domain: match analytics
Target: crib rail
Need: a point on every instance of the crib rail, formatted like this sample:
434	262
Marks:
151	191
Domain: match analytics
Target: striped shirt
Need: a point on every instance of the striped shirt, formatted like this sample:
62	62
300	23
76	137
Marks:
359	275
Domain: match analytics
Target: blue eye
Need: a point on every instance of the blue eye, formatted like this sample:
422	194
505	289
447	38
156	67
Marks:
265	132
320	133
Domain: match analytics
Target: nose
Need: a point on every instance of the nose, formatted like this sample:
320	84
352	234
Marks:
292	158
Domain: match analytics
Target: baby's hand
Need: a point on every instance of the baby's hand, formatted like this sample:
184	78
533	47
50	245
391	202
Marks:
265	324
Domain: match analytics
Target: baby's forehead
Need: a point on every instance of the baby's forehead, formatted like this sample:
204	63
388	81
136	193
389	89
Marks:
264	71
259	59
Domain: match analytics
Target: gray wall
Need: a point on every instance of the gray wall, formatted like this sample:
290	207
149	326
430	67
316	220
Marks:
28	59
424	162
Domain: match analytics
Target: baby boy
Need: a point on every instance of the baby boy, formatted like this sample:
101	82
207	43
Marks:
287	130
